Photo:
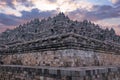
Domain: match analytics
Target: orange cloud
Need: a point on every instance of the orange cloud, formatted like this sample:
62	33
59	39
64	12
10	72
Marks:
114	1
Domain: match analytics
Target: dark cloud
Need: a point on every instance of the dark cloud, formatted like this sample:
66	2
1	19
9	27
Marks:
26	3
8	20
12	5
9	3
52	1
98	13
32	14
104	12
35	13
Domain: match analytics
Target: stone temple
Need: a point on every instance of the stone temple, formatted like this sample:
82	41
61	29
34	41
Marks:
59	49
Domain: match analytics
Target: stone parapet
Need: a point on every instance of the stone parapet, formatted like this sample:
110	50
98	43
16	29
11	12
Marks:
17	72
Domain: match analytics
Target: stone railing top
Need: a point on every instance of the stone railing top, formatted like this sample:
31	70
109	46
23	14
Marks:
63	68
63	71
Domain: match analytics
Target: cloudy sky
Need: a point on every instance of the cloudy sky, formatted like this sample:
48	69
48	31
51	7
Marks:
103	12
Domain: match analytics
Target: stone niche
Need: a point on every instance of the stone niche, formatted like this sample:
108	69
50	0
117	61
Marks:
62	58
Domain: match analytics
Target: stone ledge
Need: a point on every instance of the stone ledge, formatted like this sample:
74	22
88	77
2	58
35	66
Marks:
60	72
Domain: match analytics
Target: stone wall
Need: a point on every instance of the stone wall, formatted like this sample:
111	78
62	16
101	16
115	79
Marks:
66	58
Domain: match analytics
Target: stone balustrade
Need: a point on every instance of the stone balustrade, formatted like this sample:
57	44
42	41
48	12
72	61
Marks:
16	72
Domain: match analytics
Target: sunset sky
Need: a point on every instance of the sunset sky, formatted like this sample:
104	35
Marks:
103	12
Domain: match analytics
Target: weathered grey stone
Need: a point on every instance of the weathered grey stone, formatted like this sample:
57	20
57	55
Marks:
66	58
